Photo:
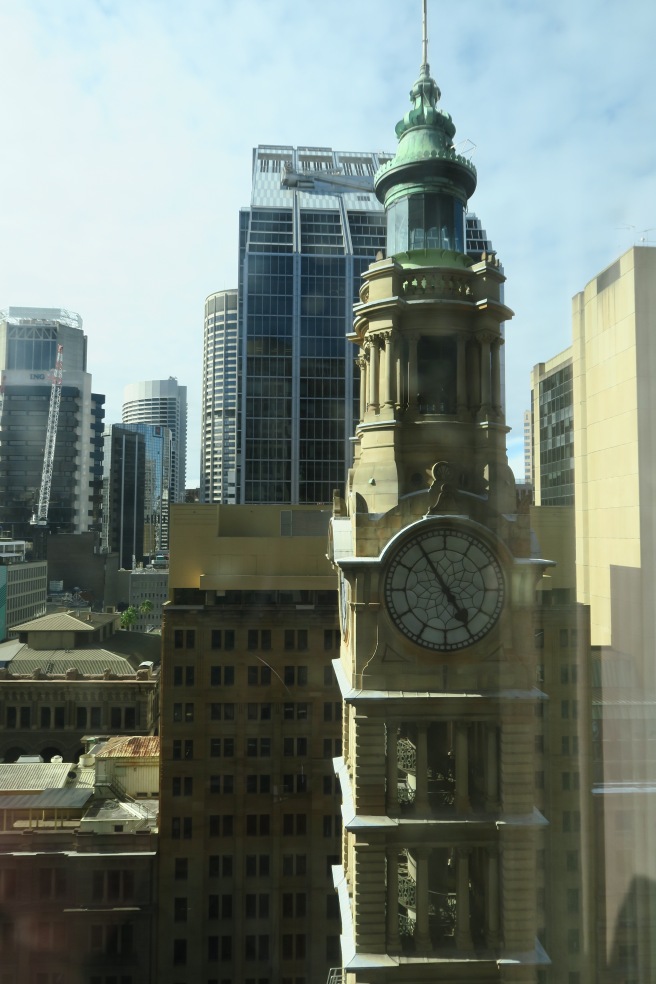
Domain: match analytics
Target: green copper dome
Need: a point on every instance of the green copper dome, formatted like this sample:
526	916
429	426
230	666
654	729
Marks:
426	185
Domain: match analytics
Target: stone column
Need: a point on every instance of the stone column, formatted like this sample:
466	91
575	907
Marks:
389	398
421	767
374	373
462	768
422	931
461	376
485	340
392	905
362	364
463	930
413	377
492	899
491	768
496	374
392	769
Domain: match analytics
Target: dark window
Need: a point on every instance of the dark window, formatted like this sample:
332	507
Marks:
179	952
178	638
181	869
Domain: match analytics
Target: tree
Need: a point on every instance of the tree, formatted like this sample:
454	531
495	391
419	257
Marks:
131	613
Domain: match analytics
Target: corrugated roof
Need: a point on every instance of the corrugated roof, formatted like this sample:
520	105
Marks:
137	746
34	775
66	621
49	799
90	662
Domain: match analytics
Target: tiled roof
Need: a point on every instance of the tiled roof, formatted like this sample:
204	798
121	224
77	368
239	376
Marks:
49	799
65	621
137	746
90	662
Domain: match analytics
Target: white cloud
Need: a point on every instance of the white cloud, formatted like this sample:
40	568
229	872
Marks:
128	131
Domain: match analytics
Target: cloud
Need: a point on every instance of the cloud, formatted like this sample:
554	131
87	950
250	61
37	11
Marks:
129	131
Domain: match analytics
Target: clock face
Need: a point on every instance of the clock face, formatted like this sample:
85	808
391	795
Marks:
444	589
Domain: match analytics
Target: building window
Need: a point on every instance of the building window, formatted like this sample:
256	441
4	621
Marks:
258	676
257	865
222	676
182	786
180	909
294	864
295	676
258	824
179	953
181	869
222	748
258	747
294	824
223	639
258	784
295	747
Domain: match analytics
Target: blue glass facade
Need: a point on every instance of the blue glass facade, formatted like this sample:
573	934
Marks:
314	225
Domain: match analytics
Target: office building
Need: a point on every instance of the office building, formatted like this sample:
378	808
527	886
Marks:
438	663
163	402
123	495
313	226
23	585
28	346
594	419
144	584
552	437
250	722
77	868
528	448
158	448
219	423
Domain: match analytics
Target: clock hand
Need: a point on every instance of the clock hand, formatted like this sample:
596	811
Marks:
460	612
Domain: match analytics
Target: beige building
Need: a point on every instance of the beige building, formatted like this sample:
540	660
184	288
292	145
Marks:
251	721
77	875
438	662
68	676
23	585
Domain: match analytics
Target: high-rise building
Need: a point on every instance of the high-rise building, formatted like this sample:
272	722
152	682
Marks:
158	444
123	495
313	226
219	423
164	402
438	661
593	410
250	722
552	422
28	346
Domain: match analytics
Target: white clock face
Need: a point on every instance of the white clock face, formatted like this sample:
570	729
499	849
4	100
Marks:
444	589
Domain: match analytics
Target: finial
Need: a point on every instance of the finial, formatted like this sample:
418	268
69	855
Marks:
424	63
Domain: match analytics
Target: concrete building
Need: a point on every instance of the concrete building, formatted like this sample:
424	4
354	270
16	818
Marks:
251	720
552	437
23	585
28	346
144	584
78	883
162	402
220	400
69	675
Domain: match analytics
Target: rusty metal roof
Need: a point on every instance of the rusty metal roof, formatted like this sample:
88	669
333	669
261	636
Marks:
137	746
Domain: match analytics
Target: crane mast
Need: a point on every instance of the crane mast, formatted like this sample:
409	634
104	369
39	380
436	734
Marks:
40	518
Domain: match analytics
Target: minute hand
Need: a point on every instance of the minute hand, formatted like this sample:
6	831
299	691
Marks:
460	612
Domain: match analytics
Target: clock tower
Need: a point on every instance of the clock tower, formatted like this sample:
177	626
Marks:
437	585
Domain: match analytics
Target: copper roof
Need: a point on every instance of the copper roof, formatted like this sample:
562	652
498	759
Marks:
137	746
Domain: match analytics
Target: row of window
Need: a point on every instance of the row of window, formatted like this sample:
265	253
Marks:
292	639
258	906
256	825
253	784
266	711
255	866
294	946
260	747
259	675
55	717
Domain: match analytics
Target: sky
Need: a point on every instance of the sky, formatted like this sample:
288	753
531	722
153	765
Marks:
129	127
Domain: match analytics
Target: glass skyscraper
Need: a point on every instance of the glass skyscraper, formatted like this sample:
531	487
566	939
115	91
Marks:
313	226
163	402
218	463
157	481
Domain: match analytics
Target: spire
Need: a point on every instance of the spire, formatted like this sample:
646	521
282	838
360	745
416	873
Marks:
426	163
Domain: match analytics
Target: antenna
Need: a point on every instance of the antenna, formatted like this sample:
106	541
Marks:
425	33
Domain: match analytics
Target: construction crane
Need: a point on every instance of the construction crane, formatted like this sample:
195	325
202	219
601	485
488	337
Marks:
40	517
